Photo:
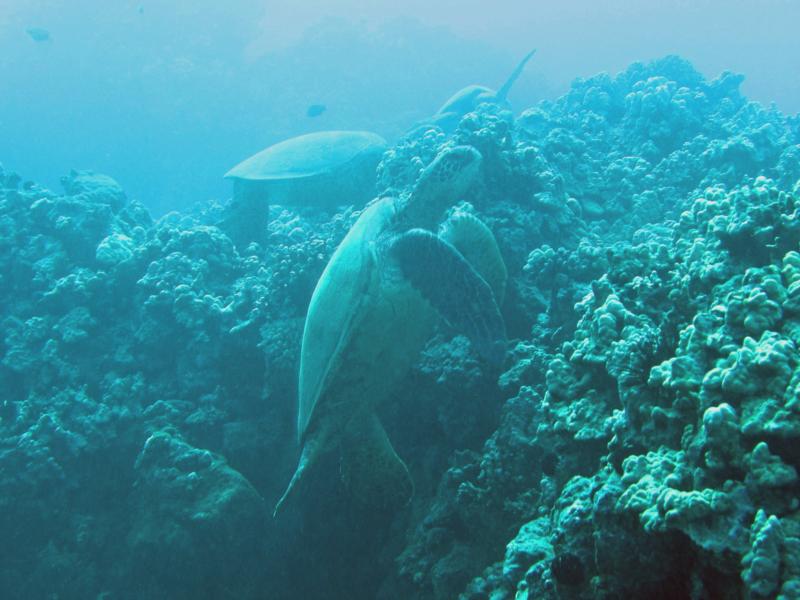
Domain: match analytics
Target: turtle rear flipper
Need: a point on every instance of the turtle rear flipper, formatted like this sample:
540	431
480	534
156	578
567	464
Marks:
312	450
454	288
373	474
476	242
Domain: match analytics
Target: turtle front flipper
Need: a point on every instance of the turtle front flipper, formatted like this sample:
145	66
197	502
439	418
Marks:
373	474
476	242
453	287
502	94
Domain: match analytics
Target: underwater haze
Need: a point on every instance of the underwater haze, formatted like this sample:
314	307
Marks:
168	95
399	301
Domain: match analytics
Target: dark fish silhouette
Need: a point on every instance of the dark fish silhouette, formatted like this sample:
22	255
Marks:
38	34
315	110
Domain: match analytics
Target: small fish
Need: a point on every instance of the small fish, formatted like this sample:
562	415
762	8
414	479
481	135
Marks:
315	110
38	34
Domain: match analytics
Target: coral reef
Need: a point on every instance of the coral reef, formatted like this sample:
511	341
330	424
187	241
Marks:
641	440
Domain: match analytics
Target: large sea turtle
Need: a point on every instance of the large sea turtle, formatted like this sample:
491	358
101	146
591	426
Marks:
323	169
467	99
373	309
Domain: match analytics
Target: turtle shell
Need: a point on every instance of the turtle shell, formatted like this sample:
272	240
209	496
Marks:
346	286
308	156
466	99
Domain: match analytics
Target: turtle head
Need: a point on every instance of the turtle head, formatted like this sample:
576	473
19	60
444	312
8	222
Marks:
441	184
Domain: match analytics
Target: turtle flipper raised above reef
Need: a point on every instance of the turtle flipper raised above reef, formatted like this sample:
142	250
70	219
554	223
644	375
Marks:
502	93
453	287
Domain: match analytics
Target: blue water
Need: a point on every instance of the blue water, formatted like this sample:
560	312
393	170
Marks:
167	96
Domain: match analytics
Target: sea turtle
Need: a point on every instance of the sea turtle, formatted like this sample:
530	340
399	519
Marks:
467	99
374	307
323	169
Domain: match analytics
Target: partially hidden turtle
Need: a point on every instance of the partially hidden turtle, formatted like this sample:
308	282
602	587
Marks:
375	305
323	169
468	98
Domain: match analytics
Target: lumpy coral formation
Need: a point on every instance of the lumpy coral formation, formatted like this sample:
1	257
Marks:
641	440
